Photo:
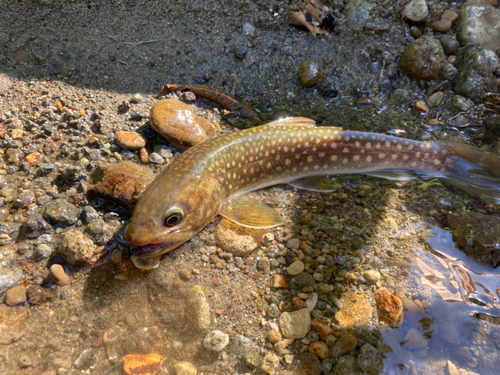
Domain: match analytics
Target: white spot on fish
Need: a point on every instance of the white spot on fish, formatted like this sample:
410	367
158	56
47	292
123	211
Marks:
368	158
345	160
345	150
333	158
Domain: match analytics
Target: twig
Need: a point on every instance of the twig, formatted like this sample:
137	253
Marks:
143	42
122	62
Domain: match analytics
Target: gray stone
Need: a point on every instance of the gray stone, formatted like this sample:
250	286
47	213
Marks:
216	341
43	251
36	226
25	198
474	77
100	232
479	24
62	212
416	10
370	360
90	214
295	325
450	45
461	103
156	159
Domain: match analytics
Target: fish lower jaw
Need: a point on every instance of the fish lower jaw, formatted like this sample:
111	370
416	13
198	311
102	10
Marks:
152	250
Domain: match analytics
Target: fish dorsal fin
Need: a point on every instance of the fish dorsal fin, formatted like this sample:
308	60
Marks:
250	212
322	184
293	121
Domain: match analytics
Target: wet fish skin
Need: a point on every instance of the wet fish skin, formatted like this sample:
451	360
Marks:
213	177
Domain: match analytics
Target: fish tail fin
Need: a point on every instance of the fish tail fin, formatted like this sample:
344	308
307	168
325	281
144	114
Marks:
473	170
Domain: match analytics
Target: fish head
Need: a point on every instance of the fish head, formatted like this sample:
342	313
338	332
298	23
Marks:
170	212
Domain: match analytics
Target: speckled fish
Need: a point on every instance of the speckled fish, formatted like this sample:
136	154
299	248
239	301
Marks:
212	178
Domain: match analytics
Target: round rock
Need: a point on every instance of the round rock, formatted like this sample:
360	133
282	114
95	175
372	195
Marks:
62	212
76	248
310	74
130	140
177	123
216	341
295	325
416	10
295	268
423	58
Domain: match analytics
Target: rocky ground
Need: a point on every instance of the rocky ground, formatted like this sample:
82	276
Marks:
366	279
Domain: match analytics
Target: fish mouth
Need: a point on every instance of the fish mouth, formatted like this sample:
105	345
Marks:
152	250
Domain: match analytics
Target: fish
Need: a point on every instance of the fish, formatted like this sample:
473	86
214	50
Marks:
241	108
214	177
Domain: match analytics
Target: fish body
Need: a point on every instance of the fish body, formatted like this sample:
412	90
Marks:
213	177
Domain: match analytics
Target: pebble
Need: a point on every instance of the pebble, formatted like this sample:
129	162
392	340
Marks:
295	325
37	295
389	306
59	275
450	45
83	357
156	158
435	99
372	275
446	22
124	107
197	308
185	274
263	264
177	123
185	368
130	140
423	58
421	106
76	248
322	328
24	361
310	74
356	310
416	10
144	156
216	341
25	198
145	264
311	301
15	296
36	226
238	240
293	243
270	363
343	345
279	281
415	340
295	268
274	337
60	211
370	360
143	364
319	348
136	99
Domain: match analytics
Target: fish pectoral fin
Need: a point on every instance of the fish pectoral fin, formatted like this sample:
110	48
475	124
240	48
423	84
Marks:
252	213
322	184
392	175
293	121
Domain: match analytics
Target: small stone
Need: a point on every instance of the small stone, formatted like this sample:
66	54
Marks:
17	133
59	275
322	328
62	212
197	308
372	275
446	22
343	345
236	239
83	357
185	368
15	296
279	281
435	99
144	156
187	97
185	274
421	106
130	140
124	107
450	45
177	123
156	158
389	306
25	198
270	363
415	340
293	244
319	348
240	52
370	360
263	264
76	248
90	214
295	268
136	99
35	226
310	74
142	364
298	303
216	341
24	361
415	32
274	336
423	58
295	325
37	295
416	10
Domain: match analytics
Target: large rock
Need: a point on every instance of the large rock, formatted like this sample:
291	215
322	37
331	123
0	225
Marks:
474	78
479	24
423	58
477	234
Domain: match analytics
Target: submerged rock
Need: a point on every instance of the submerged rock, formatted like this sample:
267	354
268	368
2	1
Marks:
477	234
177	123
62	212
76	248
143	364
389	306
36	226
295	325
236	239
197	308
423	58
474	78
122	183
310	74
416	10
479	24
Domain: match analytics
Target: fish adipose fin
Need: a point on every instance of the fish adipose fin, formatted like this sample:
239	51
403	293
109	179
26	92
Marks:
252	213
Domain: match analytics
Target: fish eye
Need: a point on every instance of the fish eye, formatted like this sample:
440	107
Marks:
173	219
